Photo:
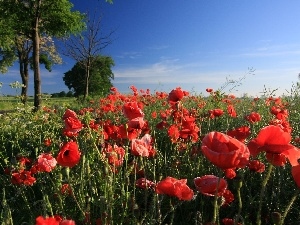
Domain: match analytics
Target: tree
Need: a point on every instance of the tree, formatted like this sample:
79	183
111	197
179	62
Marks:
21	50
85	48
32	19
100	77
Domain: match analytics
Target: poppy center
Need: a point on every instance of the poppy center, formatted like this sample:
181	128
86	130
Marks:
66	153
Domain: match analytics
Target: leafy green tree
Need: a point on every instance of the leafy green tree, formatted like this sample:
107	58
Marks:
21	51
32	19
100	77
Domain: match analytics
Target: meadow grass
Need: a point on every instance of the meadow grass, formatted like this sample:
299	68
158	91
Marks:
101	188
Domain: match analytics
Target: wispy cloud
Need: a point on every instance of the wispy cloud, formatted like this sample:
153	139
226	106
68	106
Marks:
173	73
272	50
158	47
129	55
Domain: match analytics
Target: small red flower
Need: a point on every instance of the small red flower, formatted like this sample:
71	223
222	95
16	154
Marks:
174	187
66	189
114	154
23	177
210	185
228	221
72	125
253	117
69	113
209	90
137	123
143	146
230	173
228	197
231	111
67	222
48	220
47	142
176	95
240	133
132	110
256	166
69	154
276	159
215	113
173	133
46	162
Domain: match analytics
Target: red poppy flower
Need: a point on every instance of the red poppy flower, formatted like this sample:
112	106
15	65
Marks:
173	187
67	222
240	133
296	174
66	189
273	140
210	185
215	113
231	111
126	132
256	166
137	123
224	151
47	142
230	173
143	146
69	113
189	128
132	110
253	117
72	125
176	95
114	154
173	133
209	90
69	154
23	177
276	159
47	221
46	162
228	197
228	221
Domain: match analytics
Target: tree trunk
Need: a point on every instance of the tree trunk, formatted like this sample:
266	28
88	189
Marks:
36	62
87	79
24	75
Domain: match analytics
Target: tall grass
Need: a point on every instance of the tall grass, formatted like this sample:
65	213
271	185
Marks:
100	192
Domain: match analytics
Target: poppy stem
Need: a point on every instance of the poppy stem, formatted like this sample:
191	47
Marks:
287	209
262	194
216	204
239	185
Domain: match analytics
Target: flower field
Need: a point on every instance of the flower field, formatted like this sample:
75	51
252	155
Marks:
153	158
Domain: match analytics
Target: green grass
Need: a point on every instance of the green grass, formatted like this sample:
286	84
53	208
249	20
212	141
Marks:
12	102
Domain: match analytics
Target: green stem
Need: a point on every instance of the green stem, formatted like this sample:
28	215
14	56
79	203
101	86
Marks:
262	193
215	219
240	204
287	209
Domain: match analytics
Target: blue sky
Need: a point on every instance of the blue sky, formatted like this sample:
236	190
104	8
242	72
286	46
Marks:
193	44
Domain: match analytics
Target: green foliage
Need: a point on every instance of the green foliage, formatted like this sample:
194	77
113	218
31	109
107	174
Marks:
100	77
31	20
100	190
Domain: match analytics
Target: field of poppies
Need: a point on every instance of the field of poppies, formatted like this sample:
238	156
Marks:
151	159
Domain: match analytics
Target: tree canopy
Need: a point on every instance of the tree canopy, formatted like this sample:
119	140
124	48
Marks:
32	19
100	77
